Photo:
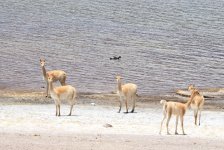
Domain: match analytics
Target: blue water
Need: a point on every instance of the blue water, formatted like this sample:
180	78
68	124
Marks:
164	45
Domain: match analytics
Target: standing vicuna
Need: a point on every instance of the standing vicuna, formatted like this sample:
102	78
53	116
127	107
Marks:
175	108
66	92
128	91
197	103
58	75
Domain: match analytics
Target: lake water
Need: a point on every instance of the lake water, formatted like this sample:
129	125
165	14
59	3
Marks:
164	45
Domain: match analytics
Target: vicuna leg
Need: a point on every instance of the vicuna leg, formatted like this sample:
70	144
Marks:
126	104
70	110
177	117
164	117
133	106
182	123
59	112
199	117
47	88
56	109
195	116
167	122
120	105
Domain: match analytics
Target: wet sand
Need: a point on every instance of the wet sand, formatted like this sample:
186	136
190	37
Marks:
28	121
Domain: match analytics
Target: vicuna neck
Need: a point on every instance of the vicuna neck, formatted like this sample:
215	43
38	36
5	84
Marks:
193	94
188	103
51	86
119	86
44	72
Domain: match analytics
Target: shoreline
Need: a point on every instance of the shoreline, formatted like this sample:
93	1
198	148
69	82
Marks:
110	99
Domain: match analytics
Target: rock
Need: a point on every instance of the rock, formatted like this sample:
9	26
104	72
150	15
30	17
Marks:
93	104
108	125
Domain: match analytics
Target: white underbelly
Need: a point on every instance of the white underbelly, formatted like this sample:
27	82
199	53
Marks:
193	106
65	96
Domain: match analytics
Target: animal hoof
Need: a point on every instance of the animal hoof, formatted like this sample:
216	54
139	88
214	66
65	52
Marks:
176	133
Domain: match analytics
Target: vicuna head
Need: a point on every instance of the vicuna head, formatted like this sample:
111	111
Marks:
42	62
118	78
191	87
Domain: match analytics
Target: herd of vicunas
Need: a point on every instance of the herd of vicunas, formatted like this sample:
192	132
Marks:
128	92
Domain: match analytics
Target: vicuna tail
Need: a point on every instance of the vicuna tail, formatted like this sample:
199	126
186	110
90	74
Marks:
74	94
164	106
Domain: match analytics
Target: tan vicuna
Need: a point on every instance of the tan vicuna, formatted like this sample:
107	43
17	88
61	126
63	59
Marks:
66	92
58	75
197	103
128	91
175	108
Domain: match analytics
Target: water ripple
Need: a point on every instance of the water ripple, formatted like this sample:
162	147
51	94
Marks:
164	45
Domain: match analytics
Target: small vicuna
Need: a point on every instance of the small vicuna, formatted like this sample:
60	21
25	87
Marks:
128	91
66	92
196	104
177	109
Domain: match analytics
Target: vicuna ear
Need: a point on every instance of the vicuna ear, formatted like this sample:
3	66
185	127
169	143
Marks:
42	60
118	77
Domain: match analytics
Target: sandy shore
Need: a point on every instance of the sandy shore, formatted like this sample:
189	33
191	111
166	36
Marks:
28	122
108	142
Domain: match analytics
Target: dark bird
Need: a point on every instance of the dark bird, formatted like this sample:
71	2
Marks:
115	58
